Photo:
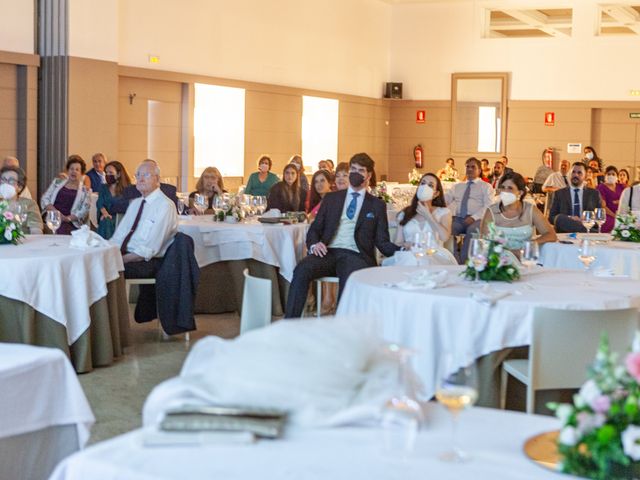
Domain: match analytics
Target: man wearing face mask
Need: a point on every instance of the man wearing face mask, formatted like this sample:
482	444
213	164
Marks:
349	226
468	201
569	202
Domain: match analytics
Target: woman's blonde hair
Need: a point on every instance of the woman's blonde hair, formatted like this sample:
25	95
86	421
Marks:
215	171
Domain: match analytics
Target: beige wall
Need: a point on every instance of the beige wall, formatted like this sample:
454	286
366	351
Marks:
93	29
17	26
9	110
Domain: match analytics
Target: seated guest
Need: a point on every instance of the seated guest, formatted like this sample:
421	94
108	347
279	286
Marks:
321	184
467	202
515	218
296	161
629	200
623	177
16	178
505	162
117	179
322	165
557	180
610	192
498	172
13	162
210	184
287	195
350	225
449	171
97	175
260	182
544	171
486	170
131	192
342	176
569	203
330	165
590	179
591	159
69	196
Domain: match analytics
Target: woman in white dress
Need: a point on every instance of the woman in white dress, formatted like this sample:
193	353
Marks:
427	212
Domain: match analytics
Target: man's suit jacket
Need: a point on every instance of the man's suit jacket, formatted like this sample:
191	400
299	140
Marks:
563	202
96	180
372	229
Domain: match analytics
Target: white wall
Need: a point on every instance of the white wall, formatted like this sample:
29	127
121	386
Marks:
333	45
17	26
93	29
431	41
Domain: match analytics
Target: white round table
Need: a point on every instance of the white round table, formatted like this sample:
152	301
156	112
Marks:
449	320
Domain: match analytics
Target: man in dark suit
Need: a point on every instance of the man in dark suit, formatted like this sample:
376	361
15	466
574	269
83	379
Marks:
569	202
505	162
342	239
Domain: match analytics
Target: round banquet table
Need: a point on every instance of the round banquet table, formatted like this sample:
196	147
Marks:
223	250
450	320
619	258
493	438
69	298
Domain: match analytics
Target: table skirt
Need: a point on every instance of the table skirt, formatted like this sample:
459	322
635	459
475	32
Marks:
97	347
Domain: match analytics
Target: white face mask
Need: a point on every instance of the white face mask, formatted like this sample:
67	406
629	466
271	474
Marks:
589	155
424	193
7	191
611	179
507	198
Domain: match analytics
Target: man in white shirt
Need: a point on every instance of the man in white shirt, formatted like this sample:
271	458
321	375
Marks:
468	202
557	180
629	200
148	227
13	162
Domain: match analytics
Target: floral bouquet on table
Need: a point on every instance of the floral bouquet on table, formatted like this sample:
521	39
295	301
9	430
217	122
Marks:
414	177
382	192
10	225
495	262
626	229
600	437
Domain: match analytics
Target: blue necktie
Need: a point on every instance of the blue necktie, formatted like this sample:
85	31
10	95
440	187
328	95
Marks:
464	204
576	202
351	209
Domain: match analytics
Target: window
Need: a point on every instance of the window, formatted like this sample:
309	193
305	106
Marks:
619	19
219	129
488	130
319	130
520	23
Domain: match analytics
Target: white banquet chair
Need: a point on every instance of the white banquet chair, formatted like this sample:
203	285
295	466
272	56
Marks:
558	333
256	303
319	282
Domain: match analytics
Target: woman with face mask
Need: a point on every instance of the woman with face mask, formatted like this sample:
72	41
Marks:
514	218
592	160
610	192
260	182
109	196
12	182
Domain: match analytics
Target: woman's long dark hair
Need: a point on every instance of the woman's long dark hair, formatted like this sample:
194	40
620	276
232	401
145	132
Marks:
315	197
291	192
595	157
412	209
520	183
124	180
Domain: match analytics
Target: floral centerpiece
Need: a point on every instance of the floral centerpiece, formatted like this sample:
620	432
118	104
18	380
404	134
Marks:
626	229
10	225
495	262
449	174
600	437
382	192
414	177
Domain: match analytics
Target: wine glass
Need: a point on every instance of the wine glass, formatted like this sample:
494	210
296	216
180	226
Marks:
418	247
53	220
530	254
587	253
199	203
431	243
18	211
401	414
478	257
456	392
600	217
588	219
181	206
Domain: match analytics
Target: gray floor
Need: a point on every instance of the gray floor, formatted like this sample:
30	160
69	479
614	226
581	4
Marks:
117	393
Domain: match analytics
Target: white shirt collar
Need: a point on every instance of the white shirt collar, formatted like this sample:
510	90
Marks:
361	193
153	196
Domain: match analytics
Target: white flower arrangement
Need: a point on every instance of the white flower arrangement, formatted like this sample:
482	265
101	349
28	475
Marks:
626	228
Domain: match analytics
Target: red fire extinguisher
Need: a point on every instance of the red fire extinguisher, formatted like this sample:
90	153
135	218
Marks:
418	154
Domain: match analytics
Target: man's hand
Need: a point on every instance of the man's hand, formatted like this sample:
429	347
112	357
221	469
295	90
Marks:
131	257
319	249
577	219
469	220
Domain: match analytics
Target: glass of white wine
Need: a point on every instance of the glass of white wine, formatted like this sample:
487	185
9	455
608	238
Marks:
418	247
457	392
530	254
600	217
431	243
588	219
53	221
587	253
478	256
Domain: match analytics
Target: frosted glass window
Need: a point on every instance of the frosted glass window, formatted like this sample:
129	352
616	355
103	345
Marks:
488	137
219	129
319	130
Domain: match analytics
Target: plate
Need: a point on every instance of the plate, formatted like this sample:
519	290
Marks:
543	450
269	219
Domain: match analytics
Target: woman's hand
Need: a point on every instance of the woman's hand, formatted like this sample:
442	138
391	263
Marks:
105	214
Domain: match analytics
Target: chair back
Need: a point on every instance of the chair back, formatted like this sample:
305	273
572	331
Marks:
256	303
565	342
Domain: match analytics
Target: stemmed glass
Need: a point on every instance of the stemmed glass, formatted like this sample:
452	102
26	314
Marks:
456	392
53	220
587	253
419	246
600	217
181	206
431	243
530	254
588	219
478	257
401	414
199	203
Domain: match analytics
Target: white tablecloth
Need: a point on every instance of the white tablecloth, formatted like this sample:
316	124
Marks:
58	281
282	246
40	389
494	439
448	320
622	258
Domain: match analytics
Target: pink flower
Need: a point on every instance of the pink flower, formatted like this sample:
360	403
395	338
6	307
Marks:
601	404
633	365
8	215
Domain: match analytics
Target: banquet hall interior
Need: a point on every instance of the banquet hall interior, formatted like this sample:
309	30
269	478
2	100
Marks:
199	99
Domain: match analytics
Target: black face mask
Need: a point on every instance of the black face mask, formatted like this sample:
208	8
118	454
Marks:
356	179
111	179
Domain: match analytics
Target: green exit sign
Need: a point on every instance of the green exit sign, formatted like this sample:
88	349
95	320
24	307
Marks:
634	115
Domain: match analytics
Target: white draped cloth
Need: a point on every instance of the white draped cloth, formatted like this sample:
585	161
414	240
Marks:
494	439
60	282
469	322
282	246
40	389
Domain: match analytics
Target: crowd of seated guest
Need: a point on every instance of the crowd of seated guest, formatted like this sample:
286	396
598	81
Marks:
210	185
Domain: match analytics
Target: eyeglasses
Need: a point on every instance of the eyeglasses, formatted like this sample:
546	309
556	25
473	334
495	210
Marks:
10	181
145	175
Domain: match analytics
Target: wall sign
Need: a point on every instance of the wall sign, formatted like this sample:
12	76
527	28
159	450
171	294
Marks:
574	148
550	119
420	116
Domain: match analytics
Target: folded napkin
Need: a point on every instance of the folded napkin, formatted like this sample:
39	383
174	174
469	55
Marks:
423	280
489	297
273	213
84	238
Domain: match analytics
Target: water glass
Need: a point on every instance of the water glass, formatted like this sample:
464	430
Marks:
587	253
53	221
530	254
199	203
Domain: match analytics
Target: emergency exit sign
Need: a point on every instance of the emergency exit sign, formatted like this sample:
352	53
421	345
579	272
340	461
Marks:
634	115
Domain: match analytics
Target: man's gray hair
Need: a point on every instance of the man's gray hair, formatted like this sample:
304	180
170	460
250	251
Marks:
155	165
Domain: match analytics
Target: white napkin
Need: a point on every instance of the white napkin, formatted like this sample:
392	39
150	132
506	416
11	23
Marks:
423	280
273	213
84	238
489	297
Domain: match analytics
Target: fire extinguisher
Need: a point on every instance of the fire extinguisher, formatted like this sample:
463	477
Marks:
418	154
